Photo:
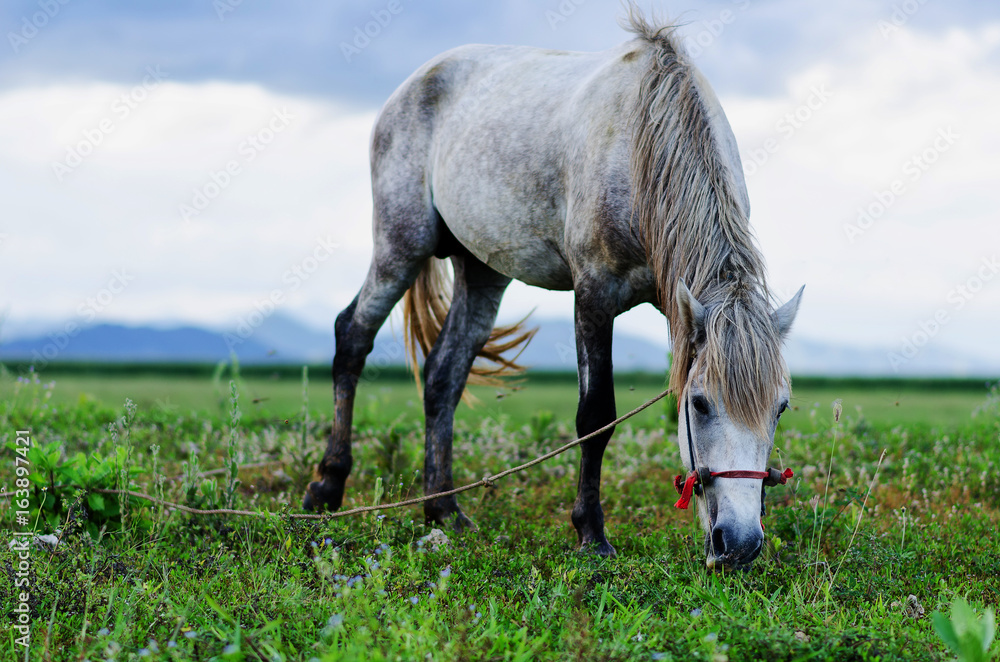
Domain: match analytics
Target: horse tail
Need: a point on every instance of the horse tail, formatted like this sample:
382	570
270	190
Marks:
425	306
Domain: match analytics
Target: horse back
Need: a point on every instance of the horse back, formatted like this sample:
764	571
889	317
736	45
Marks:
522	152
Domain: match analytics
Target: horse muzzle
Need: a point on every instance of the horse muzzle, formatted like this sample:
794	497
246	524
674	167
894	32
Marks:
729	548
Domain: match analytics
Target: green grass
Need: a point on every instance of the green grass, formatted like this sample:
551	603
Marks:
279	396
833	583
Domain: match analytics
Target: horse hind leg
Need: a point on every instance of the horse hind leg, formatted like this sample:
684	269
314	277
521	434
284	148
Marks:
467	327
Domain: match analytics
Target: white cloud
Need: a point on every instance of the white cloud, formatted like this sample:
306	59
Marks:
890	99
120	207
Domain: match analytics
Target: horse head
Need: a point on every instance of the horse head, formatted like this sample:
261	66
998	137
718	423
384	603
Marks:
736	389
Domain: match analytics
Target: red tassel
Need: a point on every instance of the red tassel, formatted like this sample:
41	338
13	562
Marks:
687	491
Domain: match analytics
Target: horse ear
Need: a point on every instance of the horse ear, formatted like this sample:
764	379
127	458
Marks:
691	312
784	316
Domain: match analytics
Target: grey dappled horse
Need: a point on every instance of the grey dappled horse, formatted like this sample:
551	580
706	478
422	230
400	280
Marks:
614	175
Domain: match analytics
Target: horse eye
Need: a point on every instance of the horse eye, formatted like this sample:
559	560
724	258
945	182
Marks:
782	409
700	405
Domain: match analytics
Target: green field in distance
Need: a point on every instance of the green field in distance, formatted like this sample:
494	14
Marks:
278	395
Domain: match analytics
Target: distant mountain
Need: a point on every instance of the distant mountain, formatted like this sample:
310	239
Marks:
114	342
552	348
283	339
280	338
288	340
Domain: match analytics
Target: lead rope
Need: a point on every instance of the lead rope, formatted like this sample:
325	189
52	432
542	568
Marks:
485	481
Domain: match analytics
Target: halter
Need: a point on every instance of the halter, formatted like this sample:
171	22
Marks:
703	476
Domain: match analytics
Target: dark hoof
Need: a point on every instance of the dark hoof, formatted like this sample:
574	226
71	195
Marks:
323	495
449	516
461	524
589	524
600	548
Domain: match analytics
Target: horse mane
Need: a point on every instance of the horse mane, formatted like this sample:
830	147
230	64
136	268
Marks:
693	227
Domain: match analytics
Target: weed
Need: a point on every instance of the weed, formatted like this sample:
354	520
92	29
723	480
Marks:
966	633
233	450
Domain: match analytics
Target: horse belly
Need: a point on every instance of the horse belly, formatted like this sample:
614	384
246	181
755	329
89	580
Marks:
537	263
520	248
499	187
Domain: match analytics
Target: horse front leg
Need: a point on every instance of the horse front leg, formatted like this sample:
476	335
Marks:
594	324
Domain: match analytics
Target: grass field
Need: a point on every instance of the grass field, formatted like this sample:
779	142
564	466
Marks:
849	540
279	397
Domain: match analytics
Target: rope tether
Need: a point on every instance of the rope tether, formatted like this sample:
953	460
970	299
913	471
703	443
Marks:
486	481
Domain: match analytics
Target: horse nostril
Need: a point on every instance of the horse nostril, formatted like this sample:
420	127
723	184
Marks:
718	541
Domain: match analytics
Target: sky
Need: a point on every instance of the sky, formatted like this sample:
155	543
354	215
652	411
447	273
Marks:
183	161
